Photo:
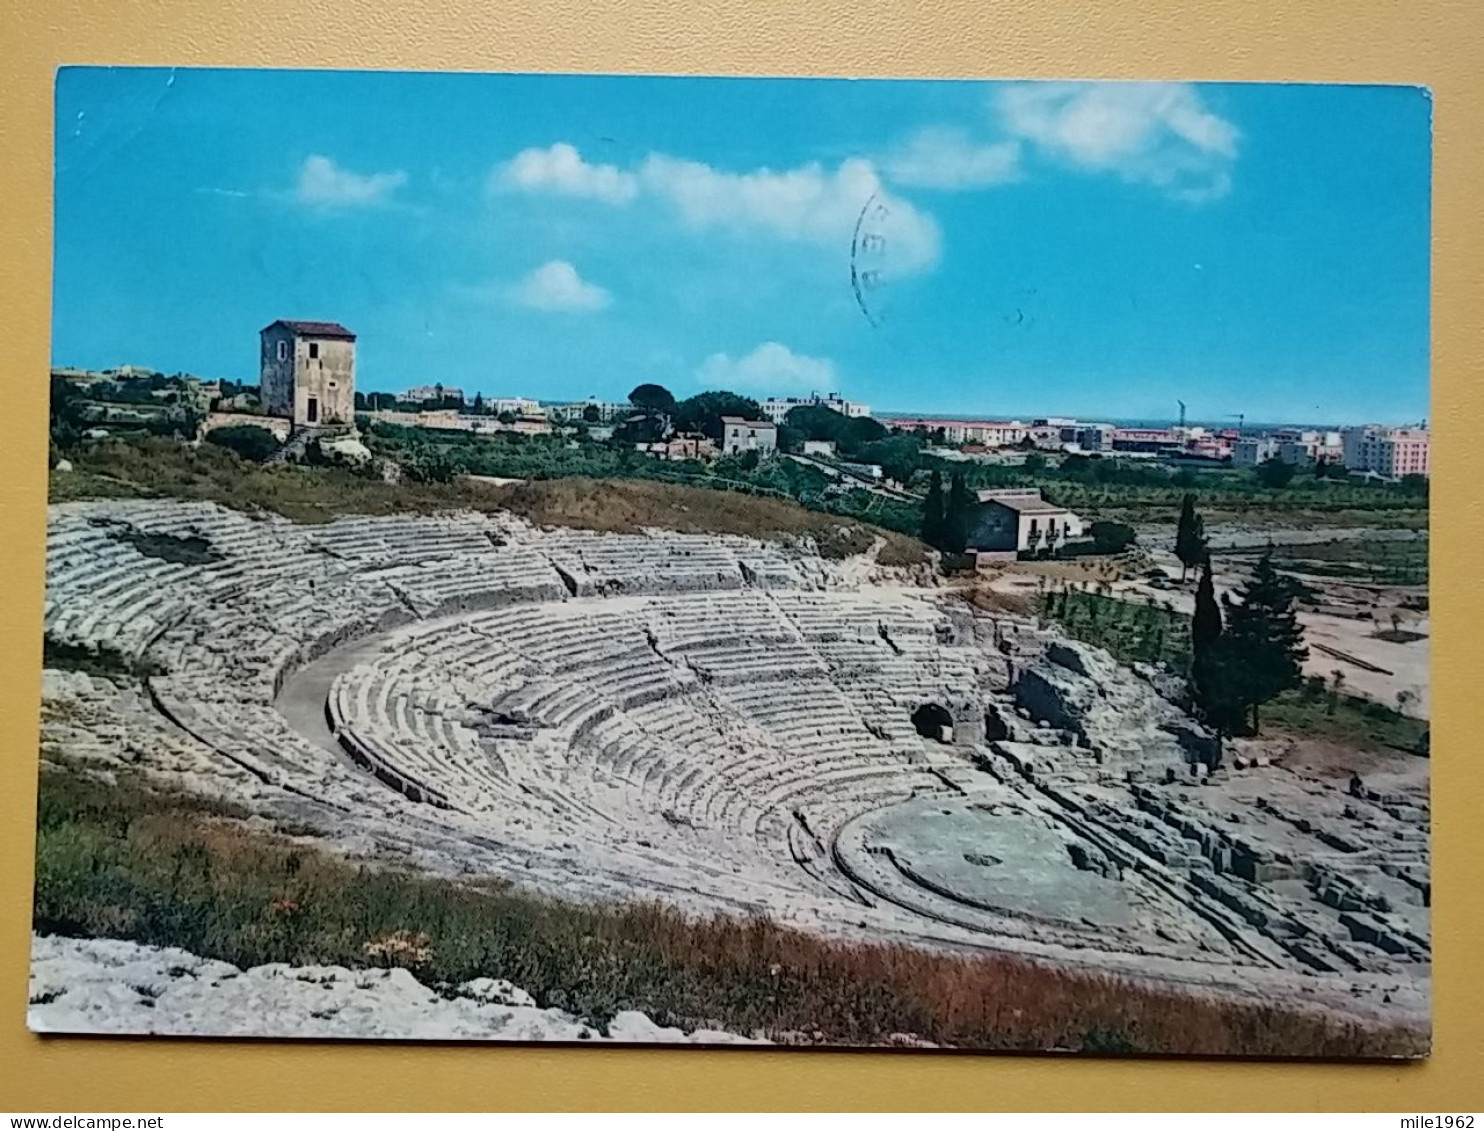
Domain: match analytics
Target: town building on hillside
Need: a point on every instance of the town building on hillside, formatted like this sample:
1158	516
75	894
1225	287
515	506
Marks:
776	409
739	434
683	445
309	373
824	448
438	393
591	411
1008	522
990	433
1389	452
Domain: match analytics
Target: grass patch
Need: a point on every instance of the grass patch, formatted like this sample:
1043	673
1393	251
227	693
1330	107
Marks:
177	549
165	469
100	660
123	861
1317	711
1379	561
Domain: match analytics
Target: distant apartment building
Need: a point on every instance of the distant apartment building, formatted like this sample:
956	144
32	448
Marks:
739	434
606	412
1250	451
1389	452
1093	437
516	406
420	393
1149	440
990	433
1300	453
776	409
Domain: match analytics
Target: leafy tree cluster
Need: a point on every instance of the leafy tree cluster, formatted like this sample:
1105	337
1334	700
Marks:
1275	473
848	433
1110	537
703	412
68	415
247	440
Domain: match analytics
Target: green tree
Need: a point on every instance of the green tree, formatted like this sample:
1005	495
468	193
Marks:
506	417
850	433
703	412
1111	537
1035	462
1274	473
1266	640
591	414
1190	536
247	440
428	464
478	406
932	511
652	398
897	456
1215	684
68	416
957	516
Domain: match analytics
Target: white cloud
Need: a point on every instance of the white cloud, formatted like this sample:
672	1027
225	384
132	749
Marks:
561	169
324	184
1156	133
941	158
558	286
772	366
809	204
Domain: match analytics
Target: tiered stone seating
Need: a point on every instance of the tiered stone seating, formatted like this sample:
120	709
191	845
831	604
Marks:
404	538
654	563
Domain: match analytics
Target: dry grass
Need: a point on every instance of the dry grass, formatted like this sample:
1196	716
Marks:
623	505
119	860
165	469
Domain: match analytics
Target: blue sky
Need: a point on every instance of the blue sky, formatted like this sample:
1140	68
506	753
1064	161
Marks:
1020	248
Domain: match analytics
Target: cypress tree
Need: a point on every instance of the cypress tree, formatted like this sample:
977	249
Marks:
932	511
1267	650
957	516
1190	536
1205	626
1215	684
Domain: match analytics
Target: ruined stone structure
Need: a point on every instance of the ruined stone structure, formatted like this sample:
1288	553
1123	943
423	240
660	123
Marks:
309	373
727	724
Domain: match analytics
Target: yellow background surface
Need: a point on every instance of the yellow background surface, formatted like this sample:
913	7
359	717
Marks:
1437	43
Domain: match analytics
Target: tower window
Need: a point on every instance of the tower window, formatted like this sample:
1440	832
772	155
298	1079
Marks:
313	349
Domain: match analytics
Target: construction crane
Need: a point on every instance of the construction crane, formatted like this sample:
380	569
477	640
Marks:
1182	412
1239	417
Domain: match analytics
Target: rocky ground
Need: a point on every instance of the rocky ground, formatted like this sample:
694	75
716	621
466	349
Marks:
108	986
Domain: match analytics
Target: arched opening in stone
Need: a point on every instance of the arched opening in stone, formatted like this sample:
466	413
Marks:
932	720
995	729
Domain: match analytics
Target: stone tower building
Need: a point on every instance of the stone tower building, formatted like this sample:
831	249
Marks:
309	373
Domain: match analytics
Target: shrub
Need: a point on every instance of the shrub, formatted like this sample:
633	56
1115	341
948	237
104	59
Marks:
1111	537
249	441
